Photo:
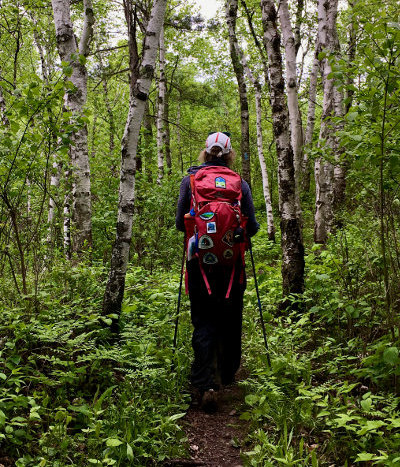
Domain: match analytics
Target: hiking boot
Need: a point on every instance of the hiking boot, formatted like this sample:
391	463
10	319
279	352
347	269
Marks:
196	397
209	401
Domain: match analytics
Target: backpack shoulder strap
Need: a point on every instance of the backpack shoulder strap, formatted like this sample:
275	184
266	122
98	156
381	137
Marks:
192	189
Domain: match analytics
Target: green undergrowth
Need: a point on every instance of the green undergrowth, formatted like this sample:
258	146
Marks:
332	395
69	396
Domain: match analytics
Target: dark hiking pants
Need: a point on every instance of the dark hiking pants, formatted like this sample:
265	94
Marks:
217	324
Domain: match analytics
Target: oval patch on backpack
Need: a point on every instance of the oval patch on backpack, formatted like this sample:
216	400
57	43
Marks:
206	216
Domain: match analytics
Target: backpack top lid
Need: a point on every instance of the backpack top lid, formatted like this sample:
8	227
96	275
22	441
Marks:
217	183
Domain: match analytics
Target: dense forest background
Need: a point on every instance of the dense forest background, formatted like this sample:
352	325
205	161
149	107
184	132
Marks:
104	105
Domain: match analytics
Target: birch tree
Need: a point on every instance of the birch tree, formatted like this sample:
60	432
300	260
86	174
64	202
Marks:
351	53
74	54
260	145
256	40
292	243
55	175
296	127
148	143
339	171
297	25
323	166
231	8
312	95
161	136
138	96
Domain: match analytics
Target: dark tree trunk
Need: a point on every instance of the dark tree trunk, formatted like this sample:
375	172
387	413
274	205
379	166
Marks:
292	242
139	92
231	14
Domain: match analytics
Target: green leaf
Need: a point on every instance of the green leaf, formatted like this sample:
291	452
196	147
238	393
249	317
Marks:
371	426
245	416
251	399
314	461
391	355
129	452
2	418
113	442
3	376
366	404
365	456
176	416
394	421
374	424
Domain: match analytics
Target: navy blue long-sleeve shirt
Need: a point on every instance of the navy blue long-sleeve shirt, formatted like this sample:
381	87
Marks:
246	203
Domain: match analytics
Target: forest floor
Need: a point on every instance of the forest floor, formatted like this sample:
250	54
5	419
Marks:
215	439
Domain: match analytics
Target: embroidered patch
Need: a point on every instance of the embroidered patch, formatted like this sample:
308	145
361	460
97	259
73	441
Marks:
206	216
228	238
191	250
210	258
205	242
220	182
228	254
211	227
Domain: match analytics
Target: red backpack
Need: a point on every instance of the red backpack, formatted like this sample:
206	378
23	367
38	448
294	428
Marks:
215	225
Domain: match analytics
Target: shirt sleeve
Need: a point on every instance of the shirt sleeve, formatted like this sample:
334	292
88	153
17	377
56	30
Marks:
247	207
183	203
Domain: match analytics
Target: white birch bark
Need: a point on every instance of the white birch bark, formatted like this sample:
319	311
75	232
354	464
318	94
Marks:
67	216
292	243
148	143
351	53
297	25
312	95
167	133
323	167
55	175
264	172
296	127
339	171
75	101
161	136
54	184
138	96
260	146
231	7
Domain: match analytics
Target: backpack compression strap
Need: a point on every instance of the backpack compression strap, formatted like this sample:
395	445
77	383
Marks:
203	273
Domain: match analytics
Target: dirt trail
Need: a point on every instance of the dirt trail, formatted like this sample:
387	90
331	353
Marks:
215	439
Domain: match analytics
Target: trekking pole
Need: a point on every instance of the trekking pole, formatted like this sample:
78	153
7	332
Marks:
179	300
259	305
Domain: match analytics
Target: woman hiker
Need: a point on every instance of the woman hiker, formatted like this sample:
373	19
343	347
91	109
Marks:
214	221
